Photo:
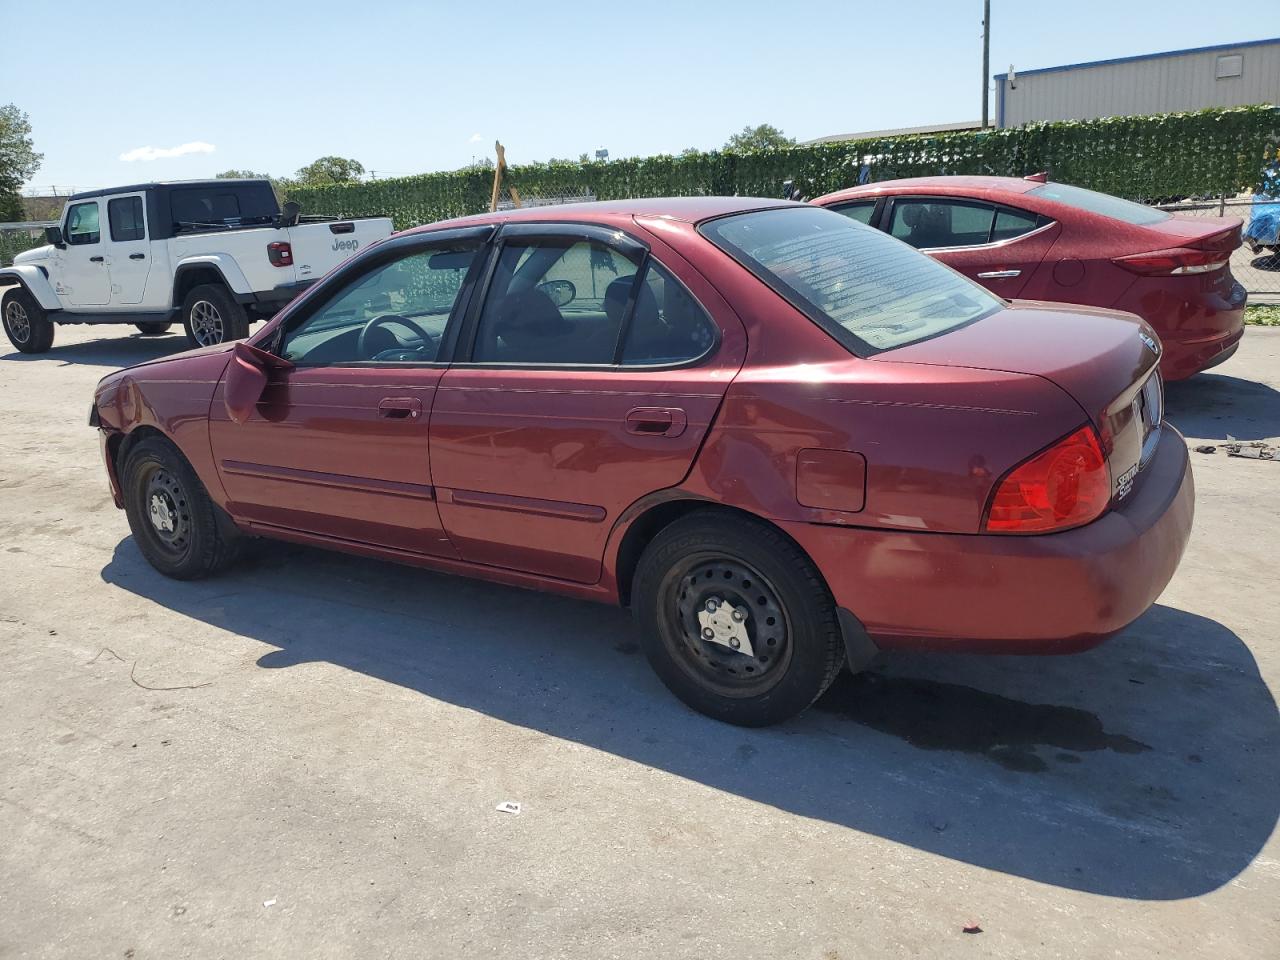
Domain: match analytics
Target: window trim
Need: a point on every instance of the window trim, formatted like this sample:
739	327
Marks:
997	206
66	223
575	233
111	227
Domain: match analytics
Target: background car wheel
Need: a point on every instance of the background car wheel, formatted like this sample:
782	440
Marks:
736	620
174	523
26	324
153	329
211	315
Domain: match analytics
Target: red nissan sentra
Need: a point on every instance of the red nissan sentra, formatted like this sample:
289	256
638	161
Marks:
783	438
1034	240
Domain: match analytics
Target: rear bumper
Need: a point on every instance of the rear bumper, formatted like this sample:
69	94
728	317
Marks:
1197	332
1004	594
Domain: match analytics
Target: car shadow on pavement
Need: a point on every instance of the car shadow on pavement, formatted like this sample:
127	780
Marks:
1213	406
116	349
1148	768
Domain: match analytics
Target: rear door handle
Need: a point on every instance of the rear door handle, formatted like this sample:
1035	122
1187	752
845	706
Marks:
656	421
400	408
137	256
95	259
996	274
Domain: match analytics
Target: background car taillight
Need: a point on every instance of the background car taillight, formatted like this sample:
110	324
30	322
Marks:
280	254
1065	486
1174	262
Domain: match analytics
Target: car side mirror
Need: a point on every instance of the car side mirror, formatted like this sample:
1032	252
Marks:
246	378
53	235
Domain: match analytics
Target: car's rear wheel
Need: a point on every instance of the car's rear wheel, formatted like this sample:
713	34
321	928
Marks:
174	522
153	329
26	324
736	620
211	316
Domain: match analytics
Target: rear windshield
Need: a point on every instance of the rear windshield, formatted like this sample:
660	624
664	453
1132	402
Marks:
1125	211
871	292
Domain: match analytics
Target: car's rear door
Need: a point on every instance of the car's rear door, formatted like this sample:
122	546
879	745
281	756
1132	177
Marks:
997	245
589	375
127	248
338	446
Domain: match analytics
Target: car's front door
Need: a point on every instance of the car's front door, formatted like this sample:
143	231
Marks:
997	246
587	378
127	249
337	446
82	276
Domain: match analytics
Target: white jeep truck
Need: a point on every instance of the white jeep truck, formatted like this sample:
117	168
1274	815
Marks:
218	254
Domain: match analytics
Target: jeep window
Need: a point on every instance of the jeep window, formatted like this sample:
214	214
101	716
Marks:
124	214
82	223
867	290
210	207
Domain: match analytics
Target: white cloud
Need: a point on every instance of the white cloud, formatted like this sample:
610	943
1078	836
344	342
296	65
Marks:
166	153
475	138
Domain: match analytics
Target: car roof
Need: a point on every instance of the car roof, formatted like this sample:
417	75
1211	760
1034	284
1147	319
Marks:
685	209
140	187
967	185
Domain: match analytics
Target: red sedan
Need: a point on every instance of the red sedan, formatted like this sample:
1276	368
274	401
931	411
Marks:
1034	240
784	439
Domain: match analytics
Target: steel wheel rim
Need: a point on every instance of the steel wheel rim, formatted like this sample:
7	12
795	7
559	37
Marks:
206	323
685	591
167	511
16	319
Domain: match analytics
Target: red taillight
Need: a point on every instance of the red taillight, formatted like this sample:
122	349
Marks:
1174	262
1065	486
280	254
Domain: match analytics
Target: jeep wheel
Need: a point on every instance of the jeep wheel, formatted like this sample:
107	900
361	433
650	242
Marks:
26	324
211	316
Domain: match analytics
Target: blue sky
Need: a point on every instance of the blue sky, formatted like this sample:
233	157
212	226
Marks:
411	87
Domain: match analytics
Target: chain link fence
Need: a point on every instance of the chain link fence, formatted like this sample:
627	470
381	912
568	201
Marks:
1257	270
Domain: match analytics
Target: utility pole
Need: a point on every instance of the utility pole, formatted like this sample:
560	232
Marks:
986	56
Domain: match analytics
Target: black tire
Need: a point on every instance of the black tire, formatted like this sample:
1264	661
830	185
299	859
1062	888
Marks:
153	329
788	615
26	323
160	489
211	315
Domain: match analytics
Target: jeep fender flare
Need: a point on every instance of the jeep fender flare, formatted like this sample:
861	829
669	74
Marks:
222	263
35	281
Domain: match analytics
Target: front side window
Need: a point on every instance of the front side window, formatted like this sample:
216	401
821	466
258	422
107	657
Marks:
862	210
867	290
82	224
124	214
395	313
1102	203
554	301
941	223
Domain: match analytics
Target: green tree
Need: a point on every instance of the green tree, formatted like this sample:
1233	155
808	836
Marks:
18	160
764	137
242	175
330	170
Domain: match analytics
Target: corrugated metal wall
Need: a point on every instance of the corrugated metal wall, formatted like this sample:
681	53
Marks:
1160	84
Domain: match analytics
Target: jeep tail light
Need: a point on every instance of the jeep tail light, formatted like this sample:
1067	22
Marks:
1065	486
280	254
1174	262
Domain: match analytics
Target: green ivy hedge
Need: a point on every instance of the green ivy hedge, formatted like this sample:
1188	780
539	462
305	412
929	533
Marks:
1152	159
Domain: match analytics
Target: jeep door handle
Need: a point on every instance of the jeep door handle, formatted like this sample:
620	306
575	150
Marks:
400	408
137	256
996	274
95	259
656	421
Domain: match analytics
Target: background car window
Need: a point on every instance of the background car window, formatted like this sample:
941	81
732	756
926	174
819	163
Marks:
862	211
941	223
1103	203
124	214
396	313
1012	223
82	224
552	303
668	325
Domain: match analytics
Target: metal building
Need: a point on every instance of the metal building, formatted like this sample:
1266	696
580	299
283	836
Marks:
1227	75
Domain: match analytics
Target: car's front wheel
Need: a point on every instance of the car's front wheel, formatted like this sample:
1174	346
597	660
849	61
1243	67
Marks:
26	324
211	316
736	620
174	522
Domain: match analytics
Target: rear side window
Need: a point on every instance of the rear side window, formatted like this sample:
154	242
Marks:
124	214
668	325
861	211
868	291
1013	223
194	208
82	224
941	223
1125	211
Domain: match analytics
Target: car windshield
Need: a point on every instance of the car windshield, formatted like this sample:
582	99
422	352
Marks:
1125	211
870	291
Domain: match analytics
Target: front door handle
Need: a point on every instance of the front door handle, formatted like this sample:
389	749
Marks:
656	421
95	259
400	408
997	274
137	256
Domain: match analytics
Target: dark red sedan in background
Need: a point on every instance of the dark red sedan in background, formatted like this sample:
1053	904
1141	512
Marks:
783	438
1034	240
